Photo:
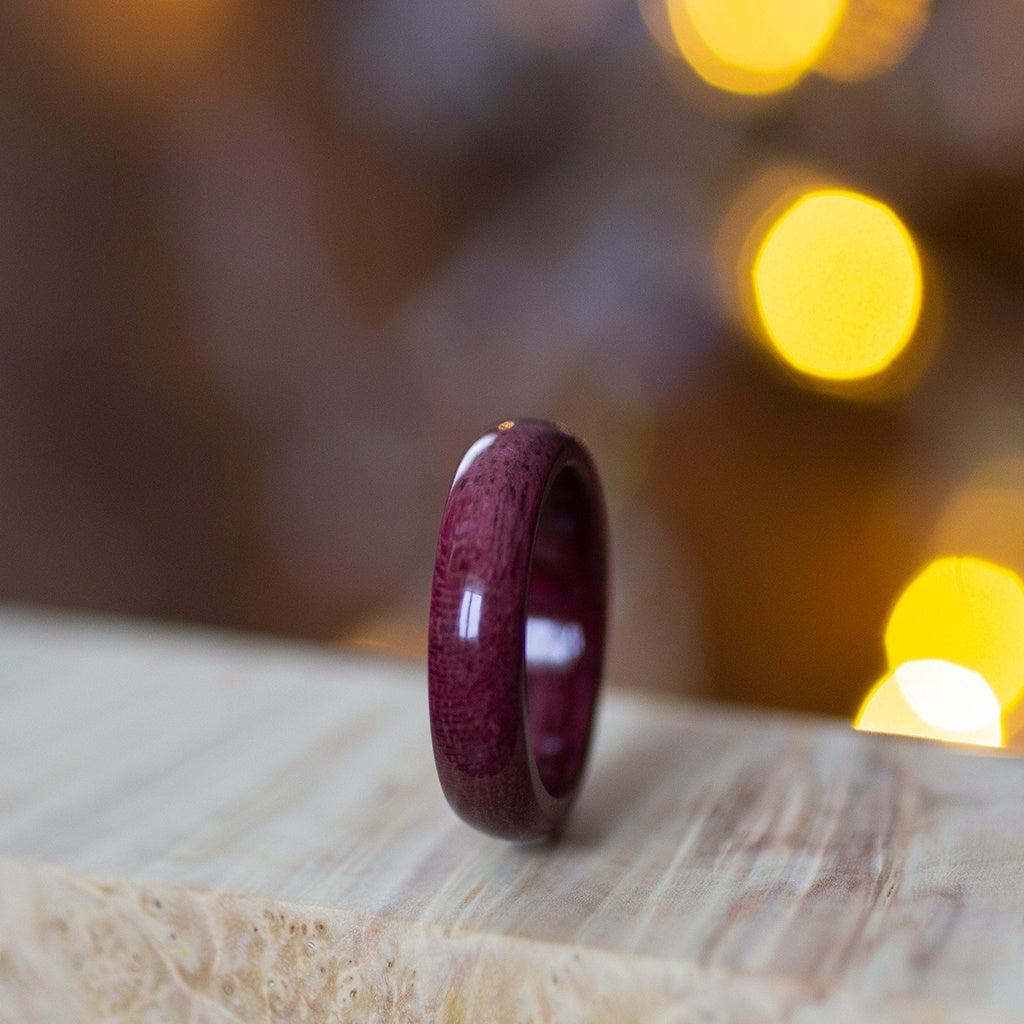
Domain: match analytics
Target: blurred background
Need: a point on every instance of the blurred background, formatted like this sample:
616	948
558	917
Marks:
267	269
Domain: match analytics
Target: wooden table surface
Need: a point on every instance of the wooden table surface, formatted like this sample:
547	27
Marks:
199	826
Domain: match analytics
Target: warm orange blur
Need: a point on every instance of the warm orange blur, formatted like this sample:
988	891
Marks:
136	46
873	37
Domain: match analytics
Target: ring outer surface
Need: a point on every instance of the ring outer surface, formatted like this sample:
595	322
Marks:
477	691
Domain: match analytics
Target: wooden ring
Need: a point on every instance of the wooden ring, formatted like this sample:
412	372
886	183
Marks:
517	624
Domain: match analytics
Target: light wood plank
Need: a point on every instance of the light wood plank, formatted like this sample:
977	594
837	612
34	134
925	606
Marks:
200	826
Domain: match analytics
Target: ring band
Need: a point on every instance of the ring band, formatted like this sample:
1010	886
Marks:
517	623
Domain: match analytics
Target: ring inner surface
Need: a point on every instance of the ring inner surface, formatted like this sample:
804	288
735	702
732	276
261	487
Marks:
564	615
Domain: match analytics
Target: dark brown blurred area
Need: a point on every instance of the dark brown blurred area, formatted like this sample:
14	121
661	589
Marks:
267	269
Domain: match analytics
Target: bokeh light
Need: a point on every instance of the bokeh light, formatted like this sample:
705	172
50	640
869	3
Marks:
934	699
753	46
873	37
838	286
968	611
955	644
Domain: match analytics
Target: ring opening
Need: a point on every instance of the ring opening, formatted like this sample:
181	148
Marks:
564	630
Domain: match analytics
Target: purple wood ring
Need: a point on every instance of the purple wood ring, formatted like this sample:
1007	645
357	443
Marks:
517	622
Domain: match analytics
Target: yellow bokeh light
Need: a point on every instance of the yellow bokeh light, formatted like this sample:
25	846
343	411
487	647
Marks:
753	46
967	611
838	286
955	646
934	699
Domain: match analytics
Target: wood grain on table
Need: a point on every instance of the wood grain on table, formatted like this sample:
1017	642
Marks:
200	826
